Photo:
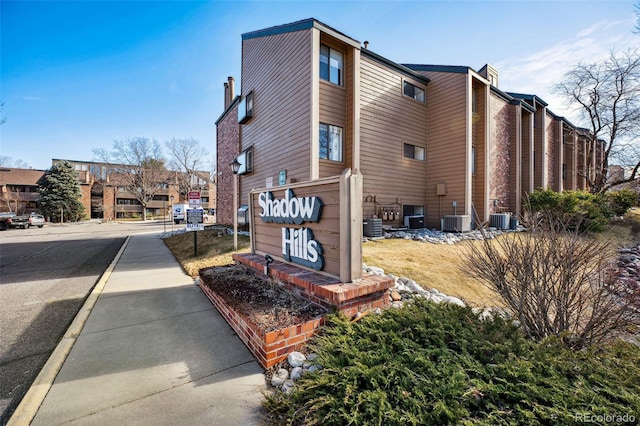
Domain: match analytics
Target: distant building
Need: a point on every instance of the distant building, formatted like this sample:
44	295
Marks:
19	190
106	196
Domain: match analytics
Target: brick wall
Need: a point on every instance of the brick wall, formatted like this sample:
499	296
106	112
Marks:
228	146
85	198
271	347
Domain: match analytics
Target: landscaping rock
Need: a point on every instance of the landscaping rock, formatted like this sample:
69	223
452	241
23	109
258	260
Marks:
288	386
279	378
296	373
395	296
296	359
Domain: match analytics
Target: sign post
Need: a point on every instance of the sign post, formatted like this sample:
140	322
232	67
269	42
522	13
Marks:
195	218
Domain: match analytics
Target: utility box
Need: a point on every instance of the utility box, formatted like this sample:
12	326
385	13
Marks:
243	215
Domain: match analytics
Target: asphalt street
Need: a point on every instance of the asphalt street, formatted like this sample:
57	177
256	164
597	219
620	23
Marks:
45	276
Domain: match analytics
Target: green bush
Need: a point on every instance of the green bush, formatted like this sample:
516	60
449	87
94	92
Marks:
429	364
579	210
621	201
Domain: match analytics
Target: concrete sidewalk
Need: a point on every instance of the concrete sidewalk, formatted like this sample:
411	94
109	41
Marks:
154	351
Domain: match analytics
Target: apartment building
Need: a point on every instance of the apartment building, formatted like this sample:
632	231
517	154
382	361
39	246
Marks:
430	141
106	195
19	192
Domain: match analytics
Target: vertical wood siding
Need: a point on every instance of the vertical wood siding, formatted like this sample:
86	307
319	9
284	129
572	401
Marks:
515	162
482	165
277	68
388	119
268	236
447	144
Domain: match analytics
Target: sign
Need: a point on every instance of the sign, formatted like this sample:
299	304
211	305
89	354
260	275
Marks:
282	177
315	225
298	244
194	199
195	220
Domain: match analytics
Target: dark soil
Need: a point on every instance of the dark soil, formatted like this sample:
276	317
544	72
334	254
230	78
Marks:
265	302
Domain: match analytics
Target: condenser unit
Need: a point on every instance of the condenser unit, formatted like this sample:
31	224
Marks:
456	223
500	220
372	228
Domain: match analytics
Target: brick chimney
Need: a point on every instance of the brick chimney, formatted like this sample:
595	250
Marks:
232	89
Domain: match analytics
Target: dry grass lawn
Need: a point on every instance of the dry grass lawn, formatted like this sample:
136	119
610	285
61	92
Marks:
438	266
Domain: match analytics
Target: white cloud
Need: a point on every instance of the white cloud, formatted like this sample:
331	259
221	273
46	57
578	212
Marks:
537	72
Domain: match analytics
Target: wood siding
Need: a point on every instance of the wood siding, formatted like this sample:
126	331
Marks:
278	70
447	144
334	110
267	237
388	120
479	142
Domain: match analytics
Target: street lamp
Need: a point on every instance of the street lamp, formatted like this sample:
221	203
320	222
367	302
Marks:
235	168
164	215
171	199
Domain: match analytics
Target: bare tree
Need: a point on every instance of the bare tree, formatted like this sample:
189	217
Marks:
608	96
190	160
137	165
14	201
7	161
557	282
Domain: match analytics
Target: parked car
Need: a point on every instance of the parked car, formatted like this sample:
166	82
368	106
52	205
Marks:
26	221
5	220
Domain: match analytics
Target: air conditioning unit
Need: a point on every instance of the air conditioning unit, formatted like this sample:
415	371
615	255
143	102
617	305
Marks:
372	228
414	221
500	220
456	223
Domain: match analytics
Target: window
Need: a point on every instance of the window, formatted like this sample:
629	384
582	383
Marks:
330	142
415	152
564	171
331	65
246	161
413	91
245	109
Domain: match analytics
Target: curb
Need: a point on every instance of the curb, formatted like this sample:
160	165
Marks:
30	404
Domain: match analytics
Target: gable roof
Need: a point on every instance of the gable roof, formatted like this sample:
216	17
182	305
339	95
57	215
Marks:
12	176
304	24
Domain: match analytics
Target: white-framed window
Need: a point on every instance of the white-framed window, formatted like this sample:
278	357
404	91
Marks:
246	161
330	142
245	109
413	151
331	65
413	91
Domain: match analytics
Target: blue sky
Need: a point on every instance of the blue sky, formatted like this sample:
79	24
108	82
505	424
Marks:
78	75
